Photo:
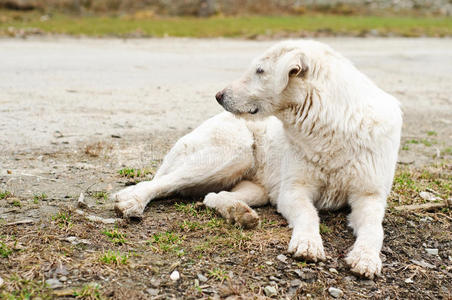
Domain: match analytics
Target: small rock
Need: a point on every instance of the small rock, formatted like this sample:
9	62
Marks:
429	196
298	272
282	258
175	276
155	283
63	278
81	201
295	282
270	291
408	280
431	251
252	252
335	292
269	263
54	283
273	278
75	241
333	270
202	278
152	292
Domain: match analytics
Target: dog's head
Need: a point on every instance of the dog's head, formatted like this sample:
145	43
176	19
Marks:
280	72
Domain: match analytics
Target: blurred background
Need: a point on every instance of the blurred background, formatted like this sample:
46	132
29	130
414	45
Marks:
232	18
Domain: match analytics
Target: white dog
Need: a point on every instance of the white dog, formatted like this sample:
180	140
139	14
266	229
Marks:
334	141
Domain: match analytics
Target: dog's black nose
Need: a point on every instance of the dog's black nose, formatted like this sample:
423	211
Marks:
219	96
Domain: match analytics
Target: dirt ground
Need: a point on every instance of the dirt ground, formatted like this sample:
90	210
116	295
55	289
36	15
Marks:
93	115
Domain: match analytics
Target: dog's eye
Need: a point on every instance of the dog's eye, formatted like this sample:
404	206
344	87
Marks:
259	70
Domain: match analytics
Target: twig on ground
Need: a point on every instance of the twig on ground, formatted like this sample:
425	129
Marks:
26	221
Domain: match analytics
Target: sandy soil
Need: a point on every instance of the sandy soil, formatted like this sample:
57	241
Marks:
73	112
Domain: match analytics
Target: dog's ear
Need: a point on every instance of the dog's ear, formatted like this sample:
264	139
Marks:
292	64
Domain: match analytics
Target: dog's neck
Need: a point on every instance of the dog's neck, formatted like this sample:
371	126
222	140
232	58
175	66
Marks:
319	127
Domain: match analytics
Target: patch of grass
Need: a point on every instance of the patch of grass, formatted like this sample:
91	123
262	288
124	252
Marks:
240	26
20	288
5	194
324	229
409	182
413	141
134	173
39	197
5	251
89	291
167	242
431	133
426	143
188	208
115	258
218	274
405	148
99	195
190	226
115	236
16	203
63	219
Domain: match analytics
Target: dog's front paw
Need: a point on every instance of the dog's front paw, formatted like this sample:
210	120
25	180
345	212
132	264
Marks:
244	215
308	247
128	204
364	262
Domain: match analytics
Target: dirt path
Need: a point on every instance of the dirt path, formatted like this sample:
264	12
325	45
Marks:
74	112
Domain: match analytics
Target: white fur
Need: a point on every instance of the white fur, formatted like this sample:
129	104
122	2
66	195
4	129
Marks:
334	141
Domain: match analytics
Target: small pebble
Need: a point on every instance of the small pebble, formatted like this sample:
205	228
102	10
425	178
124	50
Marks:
152	292
270	291
202	278
333	270
54	283
335	292
408	280
431	251
155	283
175	276
269	263
282	258
63	278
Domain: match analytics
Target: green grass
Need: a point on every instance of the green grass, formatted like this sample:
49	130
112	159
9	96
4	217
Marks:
167	242
25	289
99	195
4	194
115	236
89	291
5	251
243	26
39	197
114	258
63	219
134	173
218	274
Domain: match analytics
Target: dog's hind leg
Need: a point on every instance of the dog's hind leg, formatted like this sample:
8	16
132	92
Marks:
201	173
213	157
234	206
